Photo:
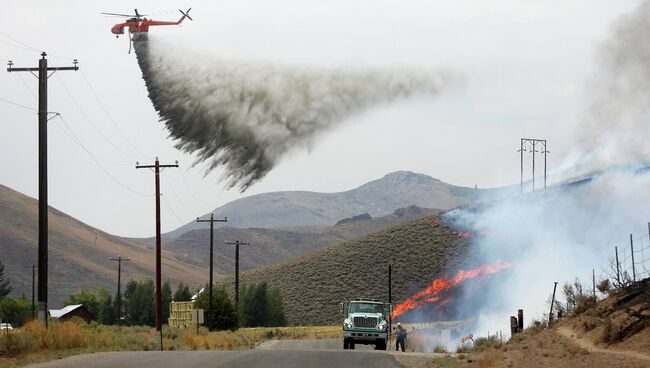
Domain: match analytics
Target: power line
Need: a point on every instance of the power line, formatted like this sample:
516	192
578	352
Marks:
22	45
19	105
171	209
78	141
189	189
110	118
91	122
177	195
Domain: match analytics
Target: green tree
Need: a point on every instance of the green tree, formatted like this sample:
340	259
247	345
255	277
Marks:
165	299
87	298
106	307
183	293
139	303
16	312
223	312
260	306
276	309
5	288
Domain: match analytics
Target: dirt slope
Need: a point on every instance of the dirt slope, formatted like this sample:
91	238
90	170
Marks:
78	254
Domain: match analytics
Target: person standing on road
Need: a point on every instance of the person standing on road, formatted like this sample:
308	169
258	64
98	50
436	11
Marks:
401	336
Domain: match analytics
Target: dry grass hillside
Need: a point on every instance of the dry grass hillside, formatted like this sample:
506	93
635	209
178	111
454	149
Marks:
613	333
312	285
275	245
78	254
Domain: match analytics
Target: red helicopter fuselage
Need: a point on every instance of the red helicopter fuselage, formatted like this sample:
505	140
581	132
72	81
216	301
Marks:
141	25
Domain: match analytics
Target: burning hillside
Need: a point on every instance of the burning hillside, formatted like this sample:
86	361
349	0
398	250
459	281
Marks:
438	293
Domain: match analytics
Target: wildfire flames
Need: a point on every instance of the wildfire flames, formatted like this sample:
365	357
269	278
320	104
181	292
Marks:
436	292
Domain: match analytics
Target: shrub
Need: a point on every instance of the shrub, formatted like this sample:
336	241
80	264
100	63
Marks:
16	343
67	335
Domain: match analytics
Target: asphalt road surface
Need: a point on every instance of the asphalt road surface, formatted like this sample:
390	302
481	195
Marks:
282	353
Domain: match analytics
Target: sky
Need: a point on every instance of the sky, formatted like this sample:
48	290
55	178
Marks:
525	67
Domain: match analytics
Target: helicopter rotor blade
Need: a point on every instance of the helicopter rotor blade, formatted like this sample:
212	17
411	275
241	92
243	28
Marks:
118	15
186	13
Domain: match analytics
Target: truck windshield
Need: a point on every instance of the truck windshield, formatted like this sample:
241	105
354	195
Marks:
366	308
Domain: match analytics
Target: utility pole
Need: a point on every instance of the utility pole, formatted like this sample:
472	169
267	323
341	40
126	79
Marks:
390	300
618	268
119	260
157	169
237	243
211	221
522	148
632	253
550	314
593	281
33	291
43	75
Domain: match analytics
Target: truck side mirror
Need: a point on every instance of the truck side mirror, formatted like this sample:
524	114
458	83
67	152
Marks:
341	308
390	308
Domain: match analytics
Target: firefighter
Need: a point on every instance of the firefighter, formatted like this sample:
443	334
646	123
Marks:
401	336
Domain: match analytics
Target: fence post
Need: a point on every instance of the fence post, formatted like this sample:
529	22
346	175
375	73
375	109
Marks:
632	249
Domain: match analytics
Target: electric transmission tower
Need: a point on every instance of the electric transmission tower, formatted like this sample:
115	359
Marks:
532	145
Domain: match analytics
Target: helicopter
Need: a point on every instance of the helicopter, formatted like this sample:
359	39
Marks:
137	23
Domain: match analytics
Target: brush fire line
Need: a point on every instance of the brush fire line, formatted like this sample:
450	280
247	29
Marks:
436	292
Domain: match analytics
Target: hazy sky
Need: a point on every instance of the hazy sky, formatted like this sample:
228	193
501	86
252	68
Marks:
526	65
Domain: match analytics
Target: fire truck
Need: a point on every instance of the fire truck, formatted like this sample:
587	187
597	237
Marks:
365	322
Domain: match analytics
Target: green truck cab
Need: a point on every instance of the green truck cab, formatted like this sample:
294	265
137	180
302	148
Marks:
365	322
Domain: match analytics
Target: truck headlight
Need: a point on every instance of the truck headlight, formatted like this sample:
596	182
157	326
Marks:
347	324
382	326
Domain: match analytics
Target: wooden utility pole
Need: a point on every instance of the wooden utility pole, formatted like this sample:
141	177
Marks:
632	253
157	169
237	243
211	221
118	300
550	314
33	291
43	75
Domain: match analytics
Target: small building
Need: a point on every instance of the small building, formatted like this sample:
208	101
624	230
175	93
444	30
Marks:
77	310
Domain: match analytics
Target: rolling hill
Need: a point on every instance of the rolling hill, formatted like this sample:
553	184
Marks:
376	198
274	245
312	285
78	254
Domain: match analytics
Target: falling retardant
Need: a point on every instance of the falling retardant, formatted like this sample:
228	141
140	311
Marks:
244	116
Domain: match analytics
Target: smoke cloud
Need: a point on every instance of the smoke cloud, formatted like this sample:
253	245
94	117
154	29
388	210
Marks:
567	230
614	131
244	116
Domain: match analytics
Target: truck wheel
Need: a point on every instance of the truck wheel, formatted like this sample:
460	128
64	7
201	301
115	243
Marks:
351	344
346	343
380	345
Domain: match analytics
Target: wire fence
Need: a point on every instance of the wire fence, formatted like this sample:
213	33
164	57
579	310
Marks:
629	262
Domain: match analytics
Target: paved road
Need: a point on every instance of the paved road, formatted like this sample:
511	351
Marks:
285	353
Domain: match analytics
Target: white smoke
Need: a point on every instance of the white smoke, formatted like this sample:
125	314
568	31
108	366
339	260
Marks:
614	131
566	231
244	116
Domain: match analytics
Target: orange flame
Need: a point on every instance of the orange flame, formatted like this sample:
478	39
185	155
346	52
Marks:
432	294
